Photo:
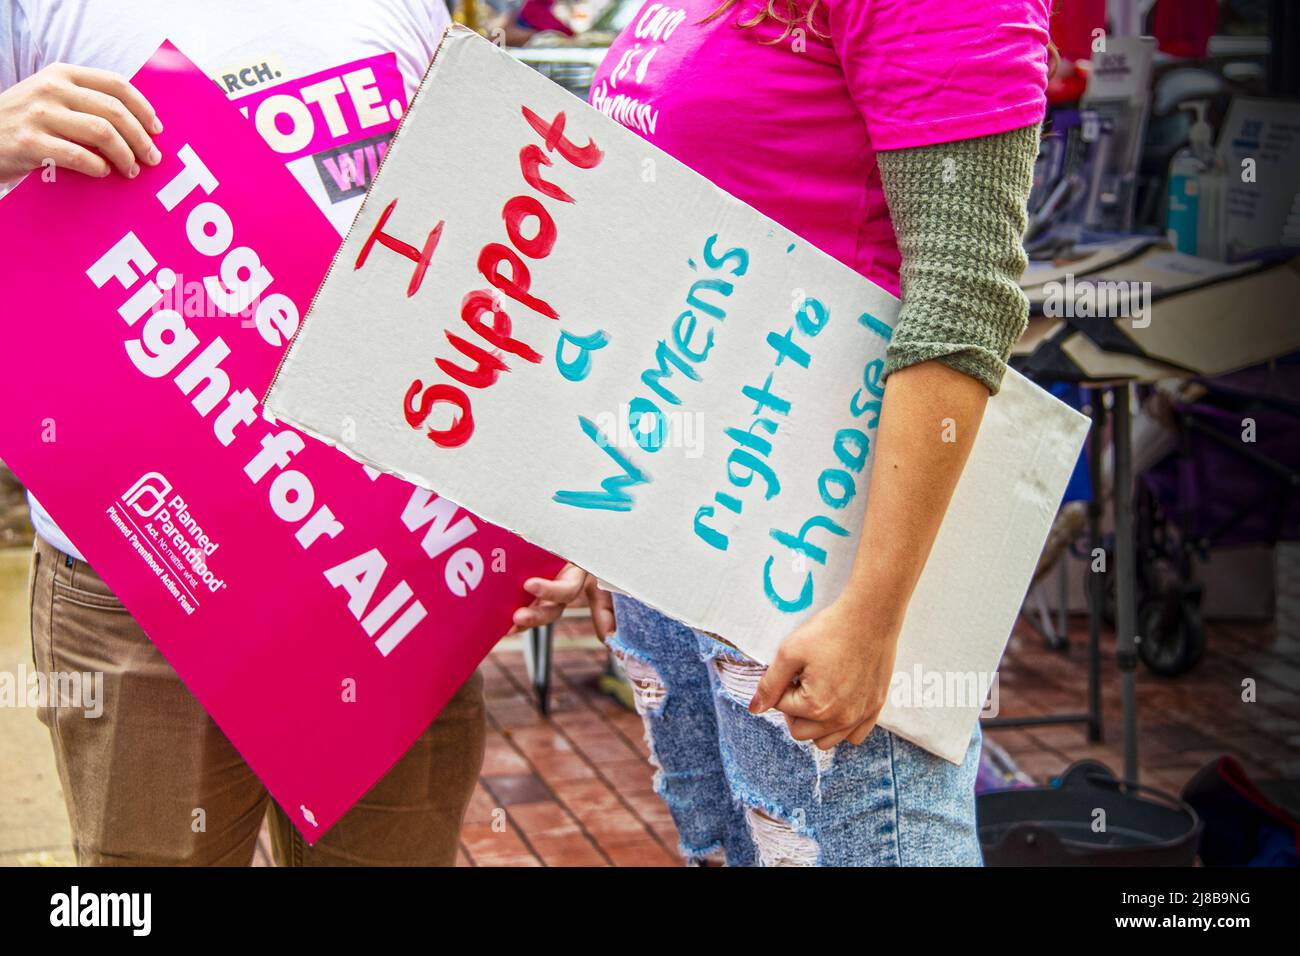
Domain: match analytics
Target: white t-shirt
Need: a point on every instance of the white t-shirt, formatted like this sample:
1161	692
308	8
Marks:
248	47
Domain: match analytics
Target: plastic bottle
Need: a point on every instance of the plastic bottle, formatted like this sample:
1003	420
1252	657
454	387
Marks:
1194	222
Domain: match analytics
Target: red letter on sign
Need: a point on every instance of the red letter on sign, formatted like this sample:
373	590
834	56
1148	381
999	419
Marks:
584	157
462	426
420	257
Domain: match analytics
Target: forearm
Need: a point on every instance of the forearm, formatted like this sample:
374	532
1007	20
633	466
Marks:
928	421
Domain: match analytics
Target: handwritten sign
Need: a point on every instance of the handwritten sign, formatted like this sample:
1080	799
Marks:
323	613
550	321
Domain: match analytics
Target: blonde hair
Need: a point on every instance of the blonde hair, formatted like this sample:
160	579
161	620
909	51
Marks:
788	13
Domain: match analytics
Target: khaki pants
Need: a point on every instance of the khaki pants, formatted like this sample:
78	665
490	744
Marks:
152	781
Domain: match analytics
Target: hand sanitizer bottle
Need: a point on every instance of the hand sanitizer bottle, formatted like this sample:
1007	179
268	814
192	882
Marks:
1194	221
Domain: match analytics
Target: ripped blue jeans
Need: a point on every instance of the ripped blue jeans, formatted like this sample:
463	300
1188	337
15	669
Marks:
741	784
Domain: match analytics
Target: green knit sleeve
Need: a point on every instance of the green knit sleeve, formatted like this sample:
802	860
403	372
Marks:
958	211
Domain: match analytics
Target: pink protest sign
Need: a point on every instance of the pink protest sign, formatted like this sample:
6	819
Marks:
322	613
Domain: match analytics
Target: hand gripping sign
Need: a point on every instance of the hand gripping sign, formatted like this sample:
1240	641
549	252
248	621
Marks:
323	613
550	321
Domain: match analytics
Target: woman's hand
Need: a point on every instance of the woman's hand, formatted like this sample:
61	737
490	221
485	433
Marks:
552	596
601	604
88	120
831	677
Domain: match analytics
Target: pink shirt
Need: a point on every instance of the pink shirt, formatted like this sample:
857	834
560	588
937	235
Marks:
792	128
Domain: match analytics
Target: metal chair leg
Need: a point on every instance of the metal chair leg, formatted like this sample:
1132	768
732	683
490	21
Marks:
539	660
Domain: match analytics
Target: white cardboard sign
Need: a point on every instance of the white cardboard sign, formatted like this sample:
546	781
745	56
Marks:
546	319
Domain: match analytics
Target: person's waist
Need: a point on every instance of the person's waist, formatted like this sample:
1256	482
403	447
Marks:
53	552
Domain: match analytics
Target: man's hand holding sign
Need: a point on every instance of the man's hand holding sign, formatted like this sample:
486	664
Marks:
629	367
77	118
